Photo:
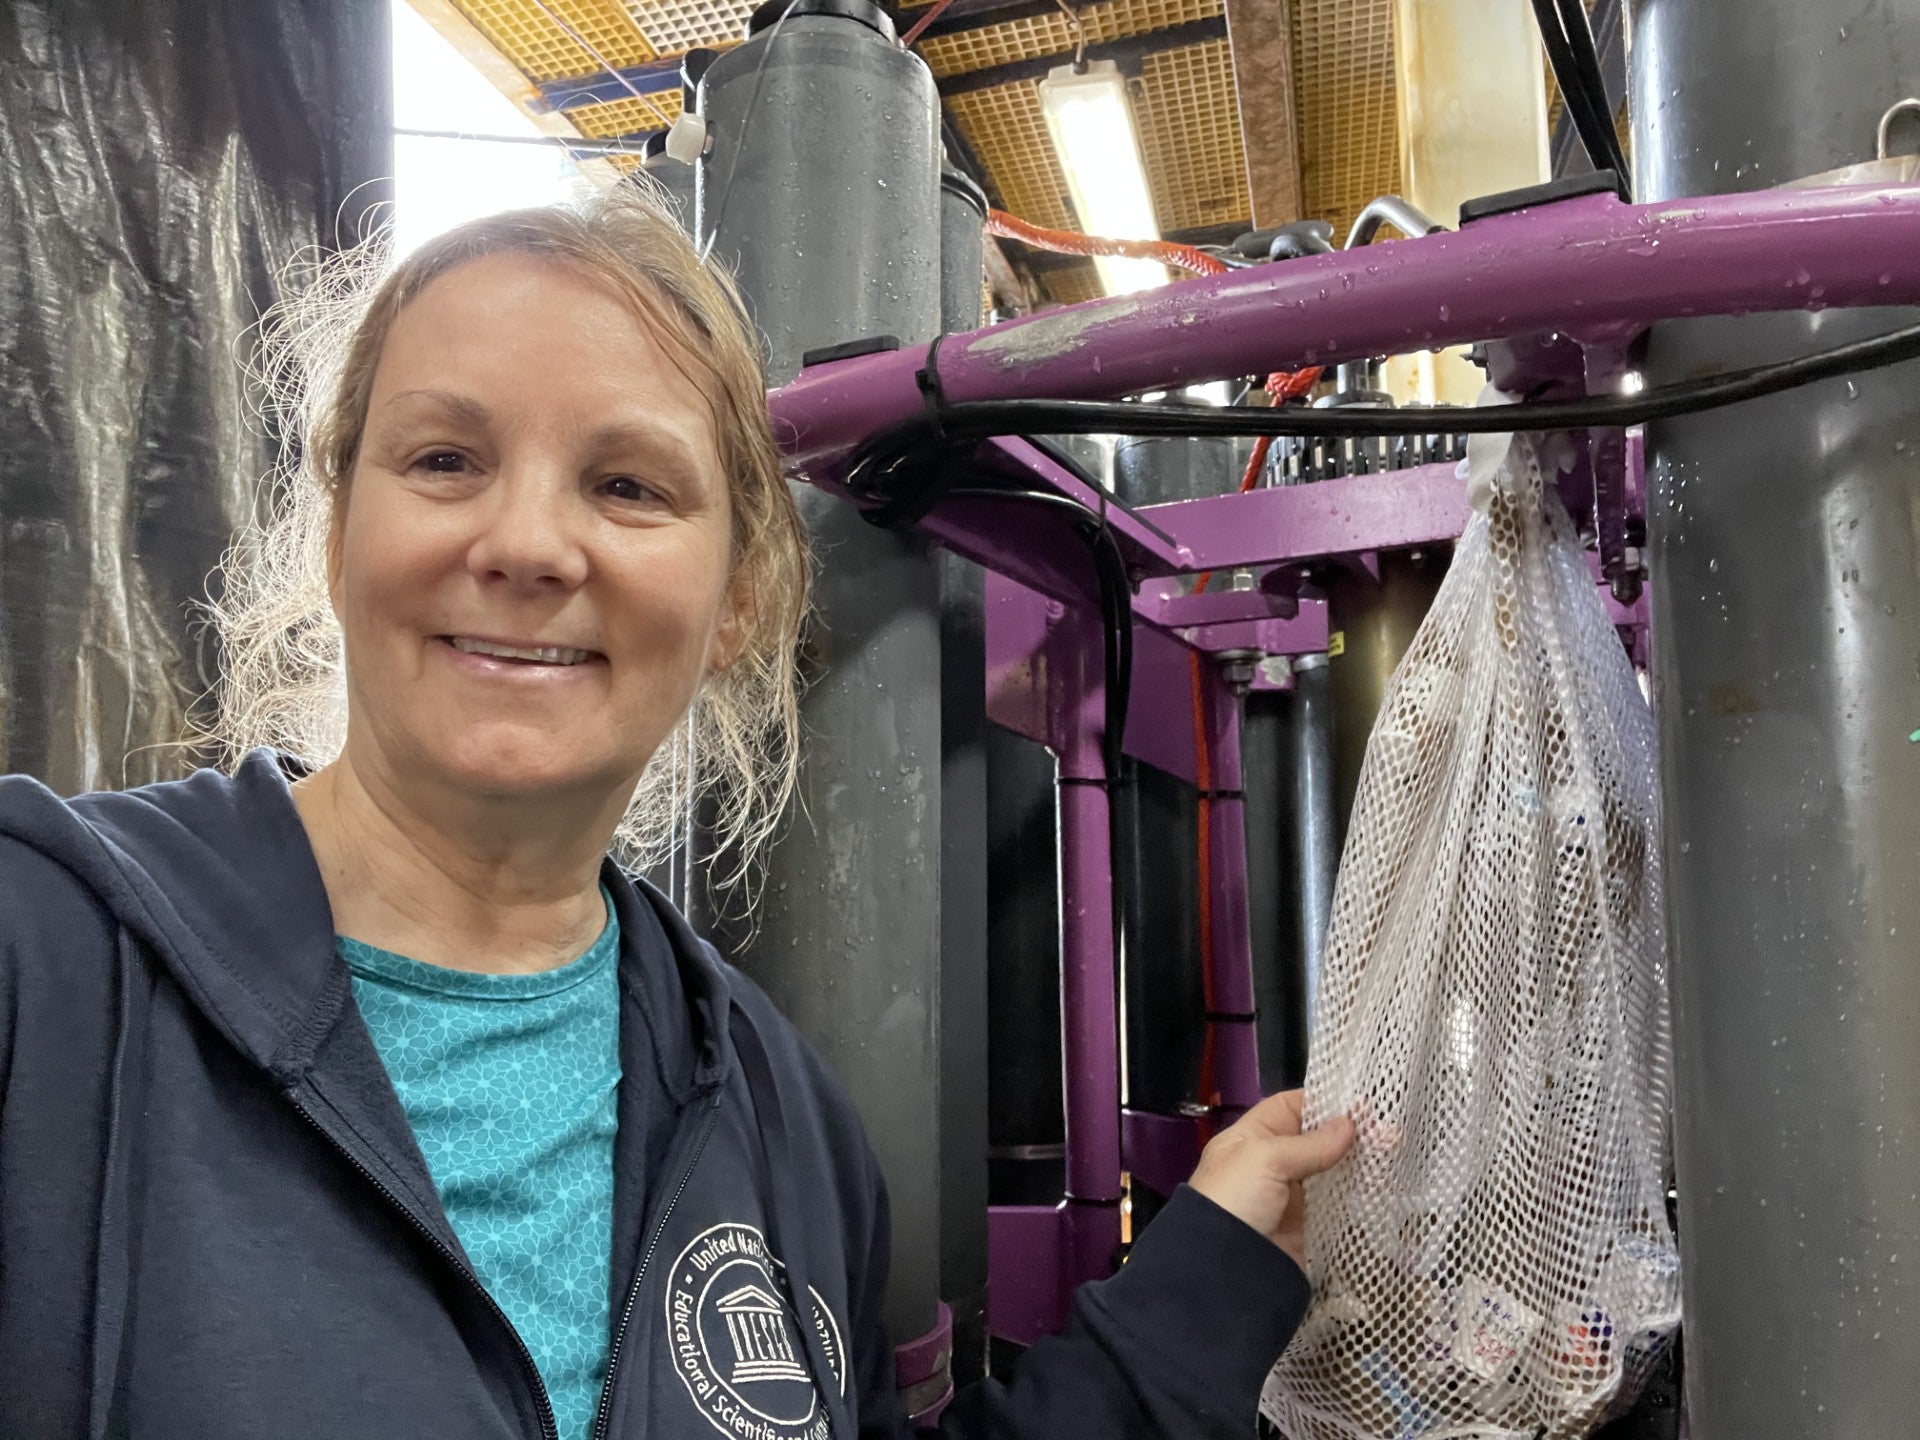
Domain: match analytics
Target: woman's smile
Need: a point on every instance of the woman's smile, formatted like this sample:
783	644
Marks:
519	661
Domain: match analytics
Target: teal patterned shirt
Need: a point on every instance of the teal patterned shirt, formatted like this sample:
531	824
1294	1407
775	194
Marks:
511	1084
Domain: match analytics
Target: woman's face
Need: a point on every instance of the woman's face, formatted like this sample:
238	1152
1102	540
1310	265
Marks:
531	572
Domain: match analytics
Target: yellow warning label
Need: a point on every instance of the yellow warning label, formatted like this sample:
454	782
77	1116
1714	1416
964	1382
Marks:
1336	643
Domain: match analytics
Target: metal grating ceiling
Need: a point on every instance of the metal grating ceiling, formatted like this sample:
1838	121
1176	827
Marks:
543	50
1074	283
1185	101
676	26
627	117
1007	131
1349	123
1190	137
1050	34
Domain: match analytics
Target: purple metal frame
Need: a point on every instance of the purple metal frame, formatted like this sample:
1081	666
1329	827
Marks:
1560	291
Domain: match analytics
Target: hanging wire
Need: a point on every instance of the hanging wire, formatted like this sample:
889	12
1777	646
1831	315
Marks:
725	189
605	64
583	144
1072	13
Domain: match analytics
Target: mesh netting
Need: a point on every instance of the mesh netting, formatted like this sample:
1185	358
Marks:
1495	1258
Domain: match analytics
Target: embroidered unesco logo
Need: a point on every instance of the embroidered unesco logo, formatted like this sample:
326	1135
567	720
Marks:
736	1341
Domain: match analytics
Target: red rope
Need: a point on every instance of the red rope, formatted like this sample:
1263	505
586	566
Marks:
920	25
1203	773
1281	385
1070	242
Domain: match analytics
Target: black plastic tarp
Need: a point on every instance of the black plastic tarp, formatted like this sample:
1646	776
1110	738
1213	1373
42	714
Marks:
161	161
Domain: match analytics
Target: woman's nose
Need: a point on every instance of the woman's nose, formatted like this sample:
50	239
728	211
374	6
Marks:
530	535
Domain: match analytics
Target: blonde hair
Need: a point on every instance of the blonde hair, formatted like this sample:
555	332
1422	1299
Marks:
283	673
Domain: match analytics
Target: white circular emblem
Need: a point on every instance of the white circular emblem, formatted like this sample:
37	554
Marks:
737	1344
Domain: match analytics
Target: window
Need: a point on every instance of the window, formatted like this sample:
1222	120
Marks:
498	159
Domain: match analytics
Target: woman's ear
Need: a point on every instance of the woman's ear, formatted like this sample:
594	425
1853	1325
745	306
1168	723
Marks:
336	547
731	635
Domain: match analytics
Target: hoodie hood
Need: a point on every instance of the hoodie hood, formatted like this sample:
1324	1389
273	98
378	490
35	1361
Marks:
215	874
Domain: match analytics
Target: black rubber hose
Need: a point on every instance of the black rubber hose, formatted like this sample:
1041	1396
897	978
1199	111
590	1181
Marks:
1590	119
1581	94
977	420
1586	60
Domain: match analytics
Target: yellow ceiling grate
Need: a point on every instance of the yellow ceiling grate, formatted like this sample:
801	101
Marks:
676	26
1189	131
1346	101
1071	284
1052	35
543	50
1190	135
626	117
1008	131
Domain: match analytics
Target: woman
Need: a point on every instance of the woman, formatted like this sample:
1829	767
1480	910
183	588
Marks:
360	1093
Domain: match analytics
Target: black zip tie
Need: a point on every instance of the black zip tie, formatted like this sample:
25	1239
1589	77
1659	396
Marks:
927	377
1226	1017
1221	794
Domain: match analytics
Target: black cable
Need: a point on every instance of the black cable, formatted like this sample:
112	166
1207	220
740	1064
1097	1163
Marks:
1587	110
1590	120
971	421
1586	59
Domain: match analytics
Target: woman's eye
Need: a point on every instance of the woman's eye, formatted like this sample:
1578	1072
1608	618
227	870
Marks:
442	462
625	487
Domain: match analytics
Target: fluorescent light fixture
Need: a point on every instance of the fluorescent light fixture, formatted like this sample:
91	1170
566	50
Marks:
1091	121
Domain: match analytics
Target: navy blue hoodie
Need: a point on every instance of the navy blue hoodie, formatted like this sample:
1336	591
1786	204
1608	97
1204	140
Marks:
214	1220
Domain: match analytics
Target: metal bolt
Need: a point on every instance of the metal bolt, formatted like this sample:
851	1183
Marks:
1238	670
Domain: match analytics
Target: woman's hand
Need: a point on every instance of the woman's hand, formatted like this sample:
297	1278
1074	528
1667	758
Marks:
1253	1170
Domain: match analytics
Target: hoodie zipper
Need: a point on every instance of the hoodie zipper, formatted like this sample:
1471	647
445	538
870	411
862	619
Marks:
603	1415
530	1372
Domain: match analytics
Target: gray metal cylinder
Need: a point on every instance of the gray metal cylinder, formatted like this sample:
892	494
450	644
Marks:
1026	1120
1786	594
821	191
963	850
1313	808
963	246
1153	469
1089	452
1372	620
1156	820
1286	747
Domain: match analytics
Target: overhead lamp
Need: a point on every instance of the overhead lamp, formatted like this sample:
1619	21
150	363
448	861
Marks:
1091	121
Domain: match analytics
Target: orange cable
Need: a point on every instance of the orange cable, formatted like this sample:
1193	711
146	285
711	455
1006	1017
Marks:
1071	242
906	40
1203	777
1281	385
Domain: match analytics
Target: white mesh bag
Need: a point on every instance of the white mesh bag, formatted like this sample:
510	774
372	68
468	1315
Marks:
1494	1259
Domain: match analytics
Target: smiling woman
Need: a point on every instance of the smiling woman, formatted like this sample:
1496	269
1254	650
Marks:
360	1084
542	392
